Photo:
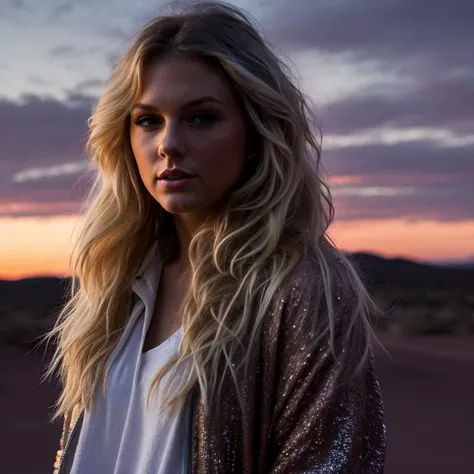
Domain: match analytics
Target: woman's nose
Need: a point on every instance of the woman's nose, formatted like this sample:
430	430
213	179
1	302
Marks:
169	143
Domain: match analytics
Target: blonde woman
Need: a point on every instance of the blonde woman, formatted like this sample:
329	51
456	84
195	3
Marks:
215	328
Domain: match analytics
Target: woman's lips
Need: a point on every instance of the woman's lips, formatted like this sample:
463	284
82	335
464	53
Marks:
175	183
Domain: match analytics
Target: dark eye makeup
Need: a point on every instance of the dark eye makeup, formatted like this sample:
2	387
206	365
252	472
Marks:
199	118
204	118
147	121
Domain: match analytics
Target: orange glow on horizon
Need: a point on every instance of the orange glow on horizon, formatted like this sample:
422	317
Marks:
342	179
31	246
417	240
42	246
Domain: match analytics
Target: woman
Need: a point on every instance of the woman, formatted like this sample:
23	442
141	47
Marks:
215	327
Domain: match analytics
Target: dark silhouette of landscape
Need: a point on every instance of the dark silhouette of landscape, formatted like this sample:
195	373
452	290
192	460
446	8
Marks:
427	328
414	298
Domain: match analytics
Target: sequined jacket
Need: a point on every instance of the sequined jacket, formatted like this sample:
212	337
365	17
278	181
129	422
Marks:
302	411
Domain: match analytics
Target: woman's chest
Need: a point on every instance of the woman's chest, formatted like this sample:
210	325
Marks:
166	315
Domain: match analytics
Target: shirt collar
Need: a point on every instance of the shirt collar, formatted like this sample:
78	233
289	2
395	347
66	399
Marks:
148	259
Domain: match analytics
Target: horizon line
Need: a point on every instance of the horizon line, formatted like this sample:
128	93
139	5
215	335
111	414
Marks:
443	262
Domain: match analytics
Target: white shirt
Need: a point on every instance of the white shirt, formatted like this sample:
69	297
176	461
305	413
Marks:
122	435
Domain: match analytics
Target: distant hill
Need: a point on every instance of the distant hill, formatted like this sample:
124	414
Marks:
465	263
45	295
468	265
401	272
49	291
42	294
28	307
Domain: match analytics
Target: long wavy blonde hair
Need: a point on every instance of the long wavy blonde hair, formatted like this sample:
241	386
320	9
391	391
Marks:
275	216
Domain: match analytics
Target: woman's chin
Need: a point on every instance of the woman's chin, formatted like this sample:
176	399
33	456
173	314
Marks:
180	206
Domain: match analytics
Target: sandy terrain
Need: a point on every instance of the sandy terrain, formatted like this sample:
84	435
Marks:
28	442
428	388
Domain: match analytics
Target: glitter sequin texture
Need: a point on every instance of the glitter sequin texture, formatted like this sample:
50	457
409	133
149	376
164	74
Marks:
301	412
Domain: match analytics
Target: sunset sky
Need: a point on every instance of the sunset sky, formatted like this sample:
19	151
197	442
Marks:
392	84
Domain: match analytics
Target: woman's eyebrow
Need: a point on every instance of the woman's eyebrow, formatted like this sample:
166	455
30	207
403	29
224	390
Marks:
198	101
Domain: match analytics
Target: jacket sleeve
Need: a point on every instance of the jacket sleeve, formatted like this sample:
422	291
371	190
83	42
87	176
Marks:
325	420
62	442
69	420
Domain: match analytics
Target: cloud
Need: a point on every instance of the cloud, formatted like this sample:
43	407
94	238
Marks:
445	204
66	7
117	33
41	127
85	93
83	86
63	51
37	80
16	4
441	102
390	136
41	209
410	161
411	180
34	174
41	152
420	32
373	191
77	99
44	170
66	51
401	148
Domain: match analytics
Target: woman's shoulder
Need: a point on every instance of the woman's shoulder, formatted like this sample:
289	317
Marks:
325	301
323	271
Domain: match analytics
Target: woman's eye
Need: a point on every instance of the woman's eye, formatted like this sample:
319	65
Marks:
147	122
203	118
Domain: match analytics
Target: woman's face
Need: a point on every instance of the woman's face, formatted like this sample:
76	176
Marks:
187	120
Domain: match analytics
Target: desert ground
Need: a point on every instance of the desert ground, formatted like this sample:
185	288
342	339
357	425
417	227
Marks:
427	384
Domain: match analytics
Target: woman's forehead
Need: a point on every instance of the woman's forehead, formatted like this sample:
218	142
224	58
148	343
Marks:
179	81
